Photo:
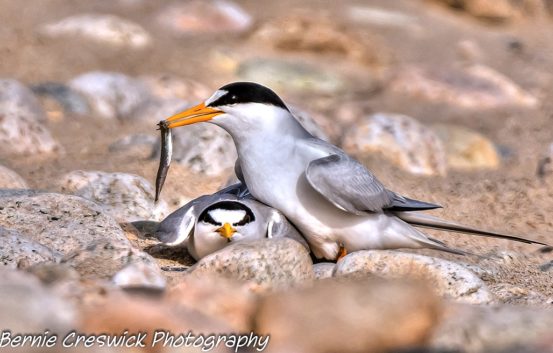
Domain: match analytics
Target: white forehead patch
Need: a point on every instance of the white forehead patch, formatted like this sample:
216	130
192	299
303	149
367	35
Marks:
227	216
218	94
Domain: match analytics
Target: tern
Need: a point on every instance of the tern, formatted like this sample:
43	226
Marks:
211	222
332	199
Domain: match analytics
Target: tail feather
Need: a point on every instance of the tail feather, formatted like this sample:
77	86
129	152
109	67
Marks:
427	221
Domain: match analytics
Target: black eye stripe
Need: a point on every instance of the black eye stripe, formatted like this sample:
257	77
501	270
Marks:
206	217
244	221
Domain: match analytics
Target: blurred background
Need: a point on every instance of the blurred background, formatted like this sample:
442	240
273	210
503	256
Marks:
447	101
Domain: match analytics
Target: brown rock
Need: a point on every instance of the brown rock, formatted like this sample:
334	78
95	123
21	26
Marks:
227	300
10	179
344	316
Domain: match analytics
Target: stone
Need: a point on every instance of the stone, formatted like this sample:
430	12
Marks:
112	95
167	86
63	223
323	270
104	259
321	36
28	307
205	17
467	149
142	143
346	316
472	87
382	17
268	263
448	279
160	109
475	328
400	139
511	294
291	76
102	28
141	275
10	179
491	10
126	197
545	164
70	100
18	99
203	148
218	297
17	251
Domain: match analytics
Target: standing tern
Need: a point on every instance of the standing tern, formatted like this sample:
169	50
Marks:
333	200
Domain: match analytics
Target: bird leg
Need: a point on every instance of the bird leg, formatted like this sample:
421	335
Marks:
341	253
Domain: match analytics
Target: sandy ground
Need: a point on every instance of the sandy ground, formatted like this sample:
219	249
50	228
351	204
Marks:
510	199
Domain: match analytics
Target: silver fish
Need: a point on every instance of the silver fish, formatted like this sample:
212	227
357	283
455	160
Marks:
165	158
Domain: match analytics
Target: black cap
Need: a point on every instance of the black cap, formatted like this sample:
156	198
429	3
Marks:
247	92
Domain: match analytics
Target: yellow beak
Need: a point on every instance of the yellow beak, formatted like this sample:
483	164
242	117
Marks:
193	115
226	231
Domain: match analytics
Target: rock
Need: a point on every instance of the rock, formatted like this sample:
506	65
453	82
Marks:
51	273
345	316
70	100
17	99
64	223
112	95
511	294
204	148
218	297
321	36
10	179
27	306
467	149
127	197
324	270
268	263
382	17
17	251
105	29
142	143
472	87
291	76
490	10
168	86
141	275
545	164
205	17
105	259
474	328
160	109
399	138
448	279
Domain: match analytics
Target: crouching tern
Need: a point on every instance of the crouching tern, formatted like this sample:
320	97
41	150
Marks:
211	222
334	201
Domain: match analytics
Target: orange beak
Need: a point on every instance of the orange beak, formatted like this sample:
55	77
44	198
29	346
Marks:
193	115
226	231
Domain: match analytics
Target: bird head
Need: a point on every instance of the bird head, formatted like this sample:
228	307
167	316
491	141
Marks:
236	107
225	221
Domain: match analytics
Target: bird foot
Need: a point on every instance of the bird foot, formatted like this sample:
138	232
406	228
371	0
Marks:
341	253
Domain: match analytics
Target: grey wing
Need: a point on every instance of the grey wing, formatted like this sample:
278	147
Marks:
279	227
348	185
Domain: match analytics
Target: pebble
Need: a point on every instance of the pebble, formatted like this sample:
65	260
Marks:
203	148
449	279
17	251
321	36
126	197
160	109
268	264
382	17
10	179
399	138
63	223
473	87
323	270
140	275
228	300
169	86
17	99
511	294
69	99
467	149
142	143
345	316
28	307
291	76
490	10
205	17
112	95
102	28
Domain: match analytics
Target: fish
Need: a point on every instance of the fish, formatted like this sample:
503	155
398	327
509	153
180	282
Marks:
165	158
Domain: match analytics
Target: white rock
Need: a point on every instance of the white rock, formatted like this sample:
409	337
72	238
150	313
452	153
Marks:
399	138
382	17
205	16
16	98
10	179
127	197
112	95
23	135
324	270
14	248
109	29
449	279
140	274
